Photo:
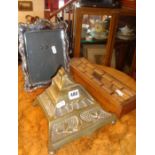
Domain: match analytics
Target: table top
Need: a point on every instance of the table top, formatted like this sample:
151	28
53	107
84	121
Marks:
33	128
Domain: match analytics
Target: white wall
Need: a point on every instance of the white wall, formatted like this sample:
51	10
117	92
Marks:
38	10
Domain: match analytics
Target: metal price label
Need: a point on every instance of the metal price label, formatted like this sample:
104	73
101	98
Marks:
74	94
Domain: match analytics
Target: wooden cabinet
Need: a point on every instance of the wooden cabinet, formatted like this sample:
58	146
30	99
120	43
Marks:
114	13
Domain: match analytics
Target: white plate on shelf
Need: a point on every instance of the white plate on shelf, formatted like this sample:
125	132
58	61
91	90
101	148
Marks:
129	36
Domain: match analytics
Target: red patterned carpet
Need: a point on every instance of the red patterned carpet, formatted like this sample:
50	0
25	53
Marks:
118	139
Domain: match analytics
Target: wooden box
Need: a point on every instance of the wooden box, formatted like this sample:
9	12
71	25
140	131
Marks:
115	91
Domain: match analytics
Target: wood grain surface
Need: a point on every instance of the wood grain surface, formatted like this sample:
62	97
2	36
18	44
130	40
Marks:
118	139
103	83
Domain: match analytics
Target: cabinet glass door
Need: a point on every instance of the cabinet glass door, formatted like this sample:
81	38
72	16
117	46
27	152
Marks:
125	43
94	36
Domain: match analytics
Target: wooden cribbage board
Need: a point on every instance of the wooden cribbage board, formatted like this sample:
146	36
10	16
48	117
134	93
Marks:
114	95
